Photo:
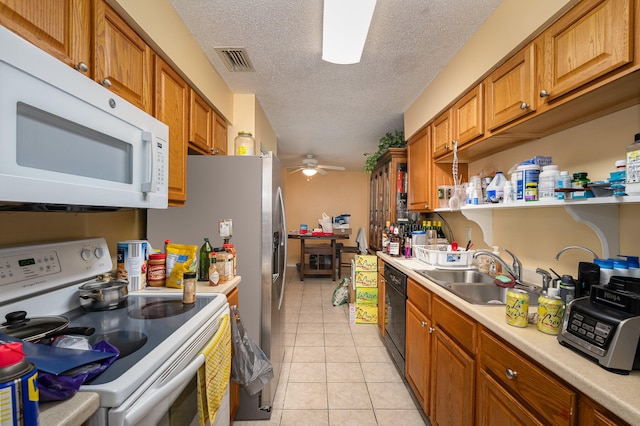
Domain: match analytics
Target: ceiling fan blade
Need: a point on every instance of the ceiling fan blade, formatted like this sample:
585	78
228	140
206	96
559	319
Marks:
322	171
297	170
321	166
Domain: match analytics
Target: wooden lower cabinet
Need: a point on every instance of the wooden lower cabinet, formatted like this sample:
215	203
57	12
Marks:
593	414
234	388
453	382
545	397
496	406
418	354
382	300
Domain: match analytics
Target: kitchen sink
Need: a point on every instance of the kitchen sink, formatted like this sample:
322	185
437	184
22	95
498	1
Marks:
475	287
443	277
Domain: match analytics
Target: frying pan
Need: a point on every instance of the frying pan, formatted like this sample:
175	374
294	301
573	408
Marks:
34	329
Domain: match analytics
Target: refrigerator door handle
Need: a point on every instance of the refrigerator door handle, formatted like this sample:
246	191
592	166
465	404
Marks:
283	242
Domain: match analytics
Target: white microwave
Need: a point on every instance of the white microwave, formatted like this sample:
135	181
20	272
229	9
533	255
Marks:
65	140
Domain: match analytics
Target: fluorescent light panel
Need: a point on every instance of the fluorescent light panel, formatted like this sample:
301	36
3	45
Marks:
345	27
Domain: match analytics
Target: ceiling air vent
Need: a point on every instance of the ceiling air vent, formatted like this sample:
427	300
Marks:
235	58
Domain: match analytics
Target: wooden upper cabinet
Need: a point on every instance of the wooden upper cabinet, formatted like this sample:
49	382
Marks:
441	134
592	39
201	117
172	108
468	116
61	28
511	89
123	59
419	170
220	135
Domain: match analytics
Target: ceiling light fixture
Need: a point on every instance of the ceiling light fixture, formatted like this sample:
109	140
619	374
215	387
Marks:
309	172
344	29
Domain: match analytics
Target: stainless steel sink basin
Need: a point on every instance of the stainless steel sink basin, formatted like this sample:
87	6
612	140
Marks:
443	277
476	287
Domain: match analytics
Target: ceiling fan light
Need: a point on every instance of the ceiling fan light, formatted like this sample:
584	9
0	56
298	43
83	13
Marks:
309	172
345	26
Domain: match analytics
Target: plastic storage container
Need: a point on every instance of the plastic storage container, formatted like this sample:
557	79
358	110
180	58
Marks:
495	189
548	181
564	181
526	173
633	167
245	144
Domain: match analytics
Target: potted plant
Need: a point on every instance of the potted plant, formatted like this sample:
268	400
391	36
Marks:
395	140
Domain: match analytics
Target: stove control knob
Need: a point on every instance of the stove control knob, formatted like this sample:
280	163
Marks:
85	254
99	252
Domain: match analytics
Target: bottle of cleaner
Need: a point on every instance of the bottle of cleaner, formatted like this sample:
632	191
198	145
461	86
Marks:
495	190
633	167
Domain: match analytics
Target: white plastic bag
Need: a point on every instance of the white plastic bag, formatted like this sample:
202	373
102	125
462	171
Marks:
249	366
341	293
325	223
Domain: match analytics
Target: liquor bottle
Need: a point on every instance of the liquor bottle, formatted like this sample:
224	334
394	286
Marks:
203	265
386	235
395	243
440	231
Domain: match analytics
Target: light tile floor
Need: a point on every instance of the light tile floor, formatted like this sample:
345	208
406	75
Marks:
334	373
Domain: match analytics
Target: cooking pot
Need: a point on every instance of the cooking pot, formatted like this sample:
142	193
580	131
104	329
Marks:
103	295
34	329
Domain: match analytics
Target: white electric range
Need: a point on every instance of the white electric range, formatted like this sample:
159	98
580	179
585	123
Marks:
159	337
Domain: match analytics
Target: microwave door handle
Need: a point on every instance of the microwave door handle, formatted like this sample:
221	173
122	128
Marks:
147	187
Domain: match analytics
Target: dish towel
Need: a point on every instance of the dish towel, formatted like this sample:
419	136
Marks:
361	240
213	376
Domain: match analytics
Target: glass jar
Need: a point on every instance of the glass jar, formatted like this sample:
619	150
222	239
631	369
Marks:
156	271
189	287
245	144
580	182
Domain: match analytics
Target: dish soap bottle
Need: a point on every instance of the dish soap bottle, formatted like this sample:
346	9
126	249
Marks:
203	265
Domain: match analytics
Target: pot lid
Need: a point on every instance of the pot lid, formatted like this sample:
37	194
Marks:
103	285
18	325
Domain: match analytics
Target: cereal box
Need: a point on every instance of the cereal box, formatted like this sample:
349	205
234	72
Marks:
366	314
367	295
366	262
366	279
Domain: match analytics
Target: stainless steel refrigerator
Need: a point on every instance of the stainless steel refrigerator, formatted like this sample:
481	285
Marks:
248	190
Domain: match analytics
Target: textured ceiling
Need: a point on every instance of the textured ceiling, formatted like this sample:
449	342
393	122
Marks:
336	112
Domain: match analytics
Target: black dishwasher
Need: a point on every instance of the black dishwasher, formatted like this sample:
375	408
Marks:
396	297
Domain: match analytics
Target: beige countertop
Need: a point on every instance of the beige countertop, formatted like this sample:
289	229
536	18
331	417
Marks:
77	409
618	393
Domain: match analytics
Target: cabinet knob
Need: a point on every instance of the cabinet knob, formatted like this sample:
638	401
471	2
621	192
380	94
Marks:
423	323
524	105
446	147
544	93
511	374
432	329
215	151
106	82
81	66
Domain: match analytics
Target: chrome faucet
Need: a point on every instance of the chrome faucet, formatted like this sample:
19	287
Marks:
588	250
514	270
546	279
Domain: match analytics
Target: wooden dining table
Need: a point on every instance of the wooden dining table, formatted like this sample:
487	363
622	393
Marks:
319	244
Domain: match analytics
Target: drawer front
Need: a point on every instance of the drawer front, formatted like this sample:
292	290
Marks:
460	327
419	296
528	383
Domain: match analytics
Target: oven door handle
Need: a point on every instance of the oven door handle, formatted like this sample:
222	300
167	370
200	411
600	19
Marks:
143	407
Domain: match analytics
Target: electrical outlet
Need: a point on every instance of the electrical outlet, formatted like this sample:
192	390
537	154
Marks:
468	233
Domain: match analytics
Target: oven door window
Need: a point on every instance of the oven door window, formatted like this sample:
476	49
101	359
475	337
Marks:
48	142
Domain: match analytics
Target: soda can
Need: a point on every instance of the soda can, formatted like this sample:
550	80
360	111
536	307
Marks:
517	308
550	314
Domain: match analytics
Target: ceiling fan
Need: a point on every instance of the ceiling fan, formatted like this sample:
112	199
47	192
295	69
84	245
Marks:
310	167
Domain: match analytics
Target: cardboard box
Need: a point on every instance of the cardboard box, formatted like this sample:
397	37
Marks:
366	314
366	279
367	295
366	262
